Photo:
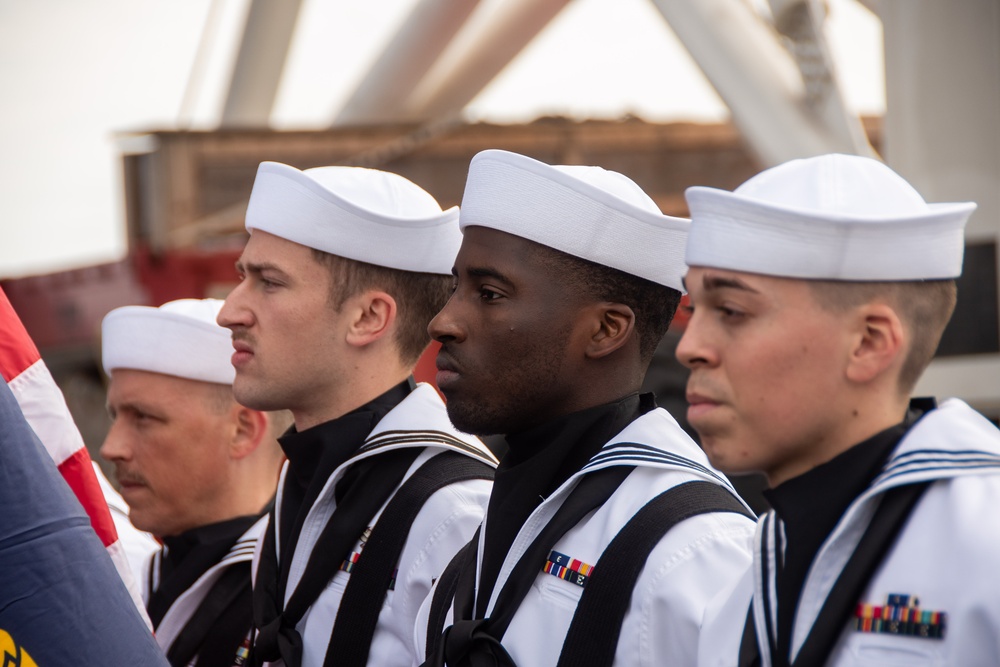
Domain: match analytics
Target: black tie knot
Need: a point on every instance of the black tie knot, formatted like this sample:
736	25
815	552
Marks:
278	640
470	644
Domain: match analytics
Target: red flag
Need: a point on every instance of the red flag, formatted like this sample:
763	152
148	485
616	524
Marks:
45	409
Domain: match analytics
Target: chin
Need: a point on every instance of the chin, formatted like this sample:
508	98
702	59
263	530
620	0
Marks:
243	392
472	421
720	455
249	396
731	467
146	525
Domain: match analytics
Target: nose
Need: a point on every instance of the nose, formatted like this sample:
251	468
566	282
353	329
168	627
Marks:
115	446
444	327
234	312
693	349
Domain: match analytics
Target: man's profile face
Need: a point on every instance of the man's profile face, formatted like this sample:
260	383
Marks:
169	443
287	337
766	384
506	334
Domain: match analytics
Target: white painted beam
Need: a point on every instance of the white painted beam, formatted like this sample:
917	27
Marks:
742	57
407	58
260	63
490	40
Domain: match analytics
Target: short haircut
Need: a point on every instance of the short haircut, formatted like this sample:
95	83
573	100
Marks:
925	307
418	296
654	305
219	397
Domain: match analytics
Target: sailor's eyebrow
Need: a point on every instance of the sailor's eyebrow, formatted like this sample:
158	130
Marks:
256	268
488	272
713	282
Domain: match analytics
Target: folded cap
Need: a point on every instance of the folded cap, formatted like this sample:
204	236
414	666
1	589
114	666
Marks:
361	214
832	217
588	212
180	338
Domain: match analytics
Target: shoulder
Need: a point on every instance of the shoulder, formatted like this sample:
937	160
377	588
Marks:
421	420
444	524
648	482
451	508
691	565
953	428
244	547
656	440
450	514
965	507
699	553
714	539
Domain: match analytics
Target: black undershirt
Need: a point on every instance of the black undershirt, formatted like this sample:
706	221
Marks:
538	461
314	454
189	555
811	505
186	558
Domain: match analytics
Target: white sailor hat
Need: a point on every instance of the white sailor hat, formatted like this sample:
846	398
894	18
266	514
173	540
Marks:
832	217
588	212
180	338
361	214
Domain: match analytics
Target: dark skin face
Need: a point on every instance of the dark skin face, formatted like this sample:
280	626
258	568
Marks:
517	343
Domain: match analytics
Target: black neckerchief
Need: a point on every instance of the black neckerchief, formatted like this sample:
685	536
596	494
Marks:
313	457
538	462
811	505
314	454
189	555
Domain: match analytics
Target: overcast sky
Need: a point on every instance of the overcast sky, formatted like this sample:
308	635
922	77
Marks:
75	72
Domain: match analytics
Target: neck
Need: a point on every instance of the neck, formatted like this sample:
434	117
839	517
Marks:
252	489
858	422
350	395
610	382
617	376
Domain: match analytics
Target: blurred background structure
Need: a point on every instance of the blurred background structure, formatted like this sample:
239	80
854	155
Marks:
133	130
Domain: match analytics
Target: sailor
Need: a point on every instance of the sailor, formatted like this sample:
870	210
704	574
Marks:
821	288
567	278
343	270
197	470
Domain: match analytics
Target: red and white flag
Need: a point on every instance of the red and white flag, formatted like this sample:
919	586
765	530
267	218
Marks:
44	407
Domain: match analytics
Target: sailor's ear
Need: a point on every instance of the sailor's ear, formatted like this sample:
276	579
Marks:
373	313
878	345
250	430
610	327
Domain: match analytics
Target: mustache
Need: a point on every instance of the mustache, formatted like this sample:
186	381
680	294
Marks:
241	336
129	477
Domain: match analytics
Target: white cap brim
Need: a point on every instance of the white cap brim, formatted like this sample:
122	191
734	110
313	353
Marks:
168	342
293	205
832	217
557	208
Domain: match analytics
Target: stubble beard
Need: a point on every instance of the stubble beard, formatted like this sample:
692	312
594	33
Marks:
504	410
518	399
473	417
253	394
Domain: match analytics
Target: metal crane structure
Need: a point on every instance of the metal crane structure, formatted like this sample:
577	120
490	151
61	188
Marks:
775	74
768	60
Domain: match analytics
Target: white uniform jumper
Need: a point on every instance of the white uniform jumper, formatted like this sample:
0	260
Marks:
445	523
696	558
933	600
